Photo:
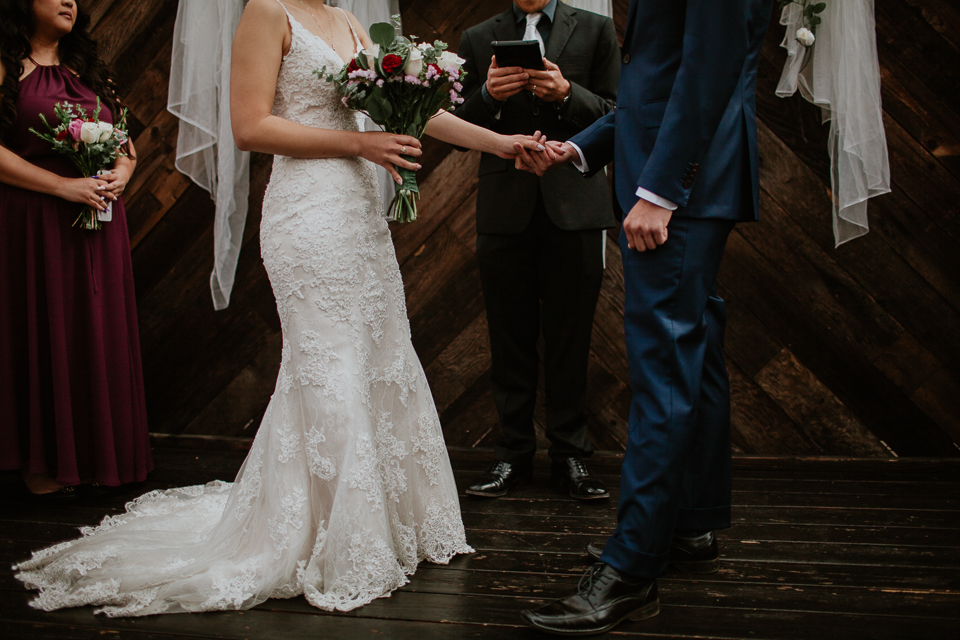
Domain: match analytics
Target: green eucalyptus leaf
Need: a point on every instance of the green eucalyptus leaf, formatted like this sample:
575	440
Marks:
383	34
817	8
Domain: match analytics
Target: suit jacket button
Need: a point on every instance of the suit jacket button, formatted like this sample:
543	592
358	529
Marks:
688	182
536	111
626	58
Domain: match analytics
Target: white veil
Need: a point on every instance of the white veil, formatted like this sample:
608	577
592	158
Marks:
199	94
603	7
841	75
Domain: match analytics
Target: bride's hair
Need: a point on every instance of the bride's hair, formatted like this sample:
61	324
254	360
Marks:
78	52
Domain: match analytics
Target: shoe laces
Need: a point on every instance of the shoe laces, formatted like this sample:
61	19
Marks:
593	578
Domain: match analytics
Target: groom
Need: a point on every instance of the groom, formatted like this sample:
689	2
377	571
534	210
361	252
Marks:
683	137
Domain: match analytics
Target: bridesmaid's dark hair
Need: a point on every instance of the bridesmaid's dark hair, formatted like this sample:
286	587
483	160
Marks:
78	52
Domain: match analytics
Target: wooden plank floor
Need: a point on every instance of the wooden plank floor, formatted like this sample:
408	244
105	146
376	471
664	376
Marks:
820	549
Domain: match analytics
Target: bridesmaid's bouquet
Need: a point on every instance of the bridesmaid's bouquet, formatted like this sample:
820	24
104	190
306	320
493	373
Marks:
400	85
89	143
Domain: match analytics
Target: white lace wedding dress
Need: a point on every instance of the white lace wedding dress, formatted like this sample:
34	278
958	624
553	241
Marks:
347	486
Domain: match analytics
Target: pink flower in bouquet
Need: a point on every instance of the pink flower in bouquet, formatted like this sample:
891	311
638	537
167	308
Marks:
74	129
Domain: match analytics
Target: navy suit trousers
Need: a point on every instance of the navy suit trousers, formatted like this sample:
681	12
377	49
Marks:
676	470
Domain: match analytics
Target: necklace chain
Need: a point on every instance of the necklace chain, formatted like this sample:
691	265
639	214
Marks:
329	22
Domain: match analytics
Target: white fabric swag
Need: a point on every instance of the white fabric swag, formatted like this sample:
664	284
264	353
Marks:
603	7
840	73
199	94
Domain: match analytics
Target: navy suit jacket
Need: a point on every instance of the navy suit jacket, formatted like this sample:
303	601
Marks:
685	123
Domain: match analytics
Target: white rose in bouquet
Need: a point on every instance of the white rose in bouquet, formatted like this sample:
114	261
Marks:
805	37
449	59
90	132
372	54
414	63
106	130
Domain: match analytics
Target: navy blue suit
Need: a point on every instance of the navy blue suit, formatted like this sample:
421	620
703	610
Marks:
684	129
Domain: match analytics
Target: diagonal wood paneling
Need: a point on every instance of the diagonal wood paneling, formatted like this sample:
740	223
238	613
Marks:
850	351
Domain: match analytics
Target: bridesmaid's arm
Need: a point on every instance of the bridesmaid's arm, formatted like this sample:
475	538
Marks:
259	45
121	171
16	171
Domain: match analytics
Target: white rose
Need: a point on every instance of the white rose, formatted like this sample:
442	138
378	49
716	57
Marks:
424	46
805	37
372	54
106	130
90	132
449	59
414	63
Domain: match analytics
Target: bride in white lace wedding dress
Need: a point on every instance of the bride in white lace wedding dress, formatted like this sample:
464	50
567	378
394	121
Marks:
347	486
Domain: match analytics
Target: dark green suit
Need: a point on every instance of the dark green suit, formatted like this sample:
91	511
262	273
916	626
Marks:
540	240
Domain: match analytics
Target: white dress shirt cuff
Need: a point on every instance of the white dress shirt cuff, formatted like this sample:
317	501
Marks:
582	164
655	199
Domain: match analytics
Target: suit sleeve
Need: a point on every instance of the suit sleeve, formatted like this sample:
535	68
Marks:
586	105
596	143
716	42
474	109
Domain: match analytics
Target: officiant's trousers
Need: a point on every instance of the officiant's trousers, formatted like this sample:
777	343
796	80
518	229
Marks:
542	278
676	469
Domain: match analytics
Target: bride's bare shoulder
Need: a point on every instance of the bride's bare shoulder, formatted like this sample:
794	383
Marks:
270	12
264	24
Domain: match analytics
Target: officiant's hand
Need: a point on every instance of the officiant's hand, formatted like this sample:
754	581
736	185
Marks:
505	82
554	153
549	84
386	149
646	226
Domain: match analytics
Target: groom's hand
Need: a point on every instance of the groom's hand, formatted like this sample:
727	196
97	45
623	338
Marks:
540	162
646	225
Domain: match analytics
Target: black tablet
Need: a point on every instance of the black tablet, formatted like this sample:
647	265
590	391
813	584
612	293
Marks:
518	53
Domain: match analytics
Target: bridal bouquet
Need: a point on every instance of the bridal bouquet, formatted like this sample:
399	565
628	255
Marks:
400	85
89	143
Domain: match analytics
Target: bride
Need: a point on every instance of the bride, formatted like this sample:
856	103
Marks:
347	486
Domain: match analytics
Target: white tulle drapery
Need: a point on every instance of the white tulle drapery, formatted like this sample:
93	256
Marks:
840	73
603	7
367	13
200	97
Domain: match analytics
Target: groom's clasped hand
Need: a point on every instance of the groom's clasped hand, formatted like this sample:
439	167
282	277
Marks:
645	225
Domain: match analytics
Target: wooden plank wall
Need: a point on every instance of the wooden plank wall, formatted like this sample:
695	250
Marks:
850	351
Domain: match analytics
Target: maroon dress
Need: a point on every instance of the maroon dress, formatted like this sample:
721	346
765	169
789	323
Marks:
71	384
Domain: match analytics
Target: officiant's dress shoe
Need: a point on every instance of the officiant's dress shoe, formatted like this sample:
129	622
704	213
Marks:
500	477
575	475
689	552
603	600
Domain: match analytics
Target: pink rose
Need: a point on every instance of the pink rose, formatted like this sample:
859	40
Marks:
74	128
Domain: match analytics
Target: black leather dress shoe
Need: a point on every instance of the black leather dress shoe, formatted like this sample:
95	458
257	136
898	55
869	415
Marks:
692	553
500	477
575	475
603	600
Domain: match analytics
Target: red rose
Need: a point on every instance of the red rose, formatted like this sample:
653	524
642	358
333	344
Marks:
62	136
353	66
392	62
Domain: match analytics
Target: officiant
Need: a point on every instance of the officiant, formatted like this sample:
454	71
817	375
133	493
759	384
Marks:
540	239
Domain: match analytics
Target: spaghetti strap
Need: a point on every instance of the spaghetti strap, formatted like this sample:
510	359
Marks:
357	44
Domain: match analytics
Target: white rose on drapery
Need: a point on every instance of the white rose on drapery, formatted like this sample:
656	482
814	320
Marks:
199	95
840	73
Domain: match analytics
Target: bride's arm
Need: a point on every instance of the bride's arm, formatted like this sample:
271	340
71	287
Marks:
258	49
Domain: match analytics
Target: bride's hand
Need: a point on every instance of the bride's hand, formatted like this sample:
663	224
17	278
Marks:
509	146
385	150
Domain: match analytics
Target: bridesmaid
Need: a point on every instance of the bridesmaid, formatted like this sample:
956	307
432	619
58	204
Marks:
72	407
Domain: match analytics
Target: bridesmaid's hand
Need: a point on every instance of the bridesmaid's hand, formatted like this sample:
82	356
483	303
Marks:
116	179
87	191
385	150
